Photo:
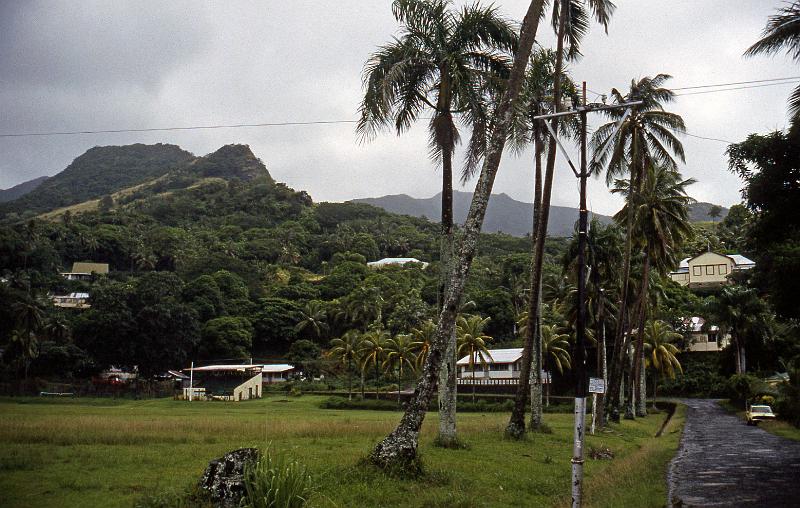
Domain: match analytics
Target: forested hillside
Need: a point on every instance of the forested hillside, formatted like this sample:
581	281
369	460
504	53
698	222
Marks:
212	259
101	170
20	190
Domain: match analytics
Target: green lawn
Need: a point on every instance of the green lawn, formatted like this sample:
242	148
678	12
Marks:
100	452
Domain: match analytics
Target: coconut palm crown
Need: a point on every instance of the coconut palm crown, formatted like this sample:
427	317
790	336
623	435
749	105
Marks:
646	137
783	32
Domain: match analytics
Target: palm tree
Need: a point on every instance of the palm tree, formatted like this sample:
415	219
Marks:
371	350
313	318
423	338
399	355
555	349
344	350
56	329
661	351
365	306
443	61
646	138
555	352
570	20
783	32
472	342
740	312
30	321
660	225
399	447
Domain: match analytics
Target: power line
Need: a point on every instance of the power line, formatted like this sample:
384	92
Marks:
748	84
736	83
189	128
737	88
706	138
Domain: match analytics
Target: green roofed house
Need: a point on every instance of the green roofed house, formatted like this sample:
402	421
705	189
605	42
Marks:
85	270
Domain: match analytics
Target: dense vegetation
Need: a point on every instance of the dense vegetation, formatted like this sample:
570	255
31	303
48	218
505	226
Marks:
217	261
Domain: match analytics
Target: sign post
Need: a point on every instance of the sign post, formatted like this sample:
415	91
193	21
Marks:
596	385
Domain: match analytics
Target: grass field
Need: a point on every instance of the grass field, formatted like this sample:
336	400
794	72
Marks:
103	452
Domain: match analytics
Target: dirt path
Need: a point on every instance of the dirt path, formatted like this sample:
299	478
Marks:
724	462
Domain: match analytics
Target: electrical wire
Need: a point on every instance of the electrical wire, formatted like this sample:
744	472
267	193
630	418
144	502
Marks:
736	88
190	128
749	84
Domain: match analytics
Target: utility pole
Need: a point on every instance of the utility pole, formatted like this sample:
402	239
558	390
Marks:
582	381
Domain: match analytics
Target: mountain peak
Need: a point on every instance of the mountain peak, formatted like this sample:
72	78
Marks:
232	161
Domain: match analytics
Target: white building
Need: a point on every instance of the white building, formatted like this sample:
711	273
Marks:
502	364
709	269
702	337
382	263
277	373
226	382
72	301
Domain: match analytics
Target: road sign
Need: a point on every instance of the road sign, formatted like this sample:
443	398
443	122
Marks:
597	385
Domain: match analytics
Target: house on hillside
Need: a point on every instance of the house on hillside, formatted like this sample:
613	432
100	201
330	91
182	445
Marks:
703	338
85	271
709	270
502	367
382	263
72	301
226	382
277	373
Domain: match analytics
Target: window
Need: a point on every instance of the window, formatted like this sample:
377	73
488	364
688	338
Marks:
709	269
722	269
498	366
712	337
696	271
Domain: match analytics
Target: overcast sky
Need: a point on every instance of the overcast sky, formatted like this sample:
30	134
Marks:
87	65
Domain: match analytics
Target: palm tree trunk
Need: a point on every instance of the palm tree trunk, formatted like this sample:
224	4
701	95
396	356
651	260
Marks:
641	402
399	448
630	413
448	386
516	424
349	379
620	340
655	388
399	373
377	381
638	357
601	348
536	322
473	384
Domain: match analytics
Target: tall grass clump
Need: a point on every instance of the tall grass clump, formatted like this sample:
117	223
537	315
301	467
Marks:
275	481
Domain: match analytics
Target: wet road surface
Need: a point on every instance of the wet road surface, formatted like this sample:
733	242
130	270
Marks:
724	462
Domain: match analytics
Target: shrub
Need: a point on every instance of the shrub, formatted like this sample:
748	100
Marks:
275	480
742	388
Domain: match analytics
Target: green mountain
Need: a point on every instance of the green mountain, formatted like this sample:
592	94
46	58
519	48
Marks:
122	171
504	214
507	215
20	190
101	170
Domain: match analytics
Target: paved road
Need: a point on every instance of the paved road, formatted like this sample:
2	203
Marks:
724	462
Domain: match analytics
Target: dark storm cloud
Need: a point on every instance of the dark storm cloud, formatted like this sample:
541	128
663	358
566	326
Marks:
100	65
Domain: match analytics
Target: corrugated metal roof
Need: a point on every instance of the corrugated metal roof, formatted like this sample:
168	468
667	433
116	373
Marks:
89	267
498	356
741	260
395	261
282	367
242	368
